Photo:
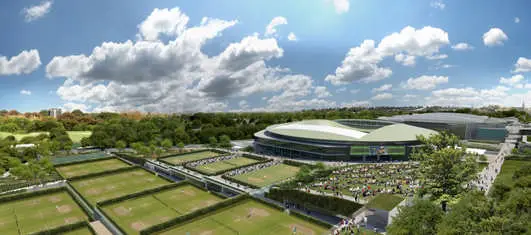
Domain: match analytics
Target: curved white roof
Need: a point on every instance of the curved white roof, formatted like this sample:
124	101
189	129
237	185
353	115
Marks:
349	133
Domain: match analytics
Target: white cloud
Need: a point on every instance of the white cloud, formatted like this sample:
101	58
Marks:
406	60
271	27
462	46
170	22
438	4
408	97
292	36
321	92
69	107
472	97
516	20
437	57
37	11
417	42
384	87
360	65
514	81
494	37
424	82
354	91
356	103
23	63
382	96
340	90
25	92
341	6
243	104
522	65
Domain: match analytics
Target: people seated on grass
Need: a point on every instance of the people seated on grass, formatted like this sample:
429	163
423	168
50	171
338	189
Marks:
210	160
244	170
366	180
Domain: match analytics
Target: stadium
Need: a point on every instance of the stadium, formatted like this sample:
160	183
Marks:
357	140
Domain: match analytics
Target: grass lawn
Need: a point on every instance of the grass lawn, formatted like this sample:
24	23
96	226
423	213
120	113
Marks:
224	165
139	213
384	201
80	169
39	213
509	167
269	175
106	187
247	217
19	136
181	159
79	231
76	136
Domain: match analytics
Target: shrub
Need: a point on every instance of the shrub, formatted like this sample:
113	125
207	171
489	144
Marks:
139	194
81	177
65	229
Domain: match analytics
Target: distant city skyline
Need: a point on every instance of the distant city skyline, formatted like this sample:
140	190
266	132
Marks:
208	56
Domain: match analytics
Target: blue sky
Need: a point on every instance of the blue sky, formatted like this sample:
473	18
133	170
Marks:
125	55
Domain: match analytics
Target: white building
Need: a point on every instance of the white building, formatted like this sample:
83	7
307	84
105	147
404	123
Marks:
54	112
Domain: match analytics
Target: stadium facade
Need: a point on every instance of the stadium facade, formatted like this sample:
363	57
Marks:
340	140
466	126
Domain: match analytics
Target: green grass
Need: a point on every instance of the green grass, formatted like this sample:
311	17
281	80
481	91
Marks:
39	213
384	201
181	159
247	217
76	136
80	169
101	188
139	213
224	165
509	167
269	175
79	231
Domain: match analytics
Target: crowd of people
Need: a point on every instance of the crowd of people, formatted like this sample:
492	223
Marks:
351	226
210	160
363	180
488	174
244	170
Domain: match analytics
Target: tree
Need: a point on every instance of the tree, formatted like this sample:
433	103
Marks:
224	141
320	166
180	145
213	142
166	144
85	142
120	144
420	218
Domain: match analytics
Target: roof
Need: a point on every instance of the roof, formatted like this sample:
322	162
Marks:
444	118
333	131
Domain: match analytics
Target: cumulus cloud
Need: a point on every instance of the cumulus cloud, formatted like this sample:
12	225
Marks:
25	92
382	96
494	37
23	63
69	107
243	104
424	82
437	57
37	11
514	81
356	103
474	97
176	76
522	65
384	87
271	27
321	92
170	22
462	46
361	63
341	6
438	4
292	36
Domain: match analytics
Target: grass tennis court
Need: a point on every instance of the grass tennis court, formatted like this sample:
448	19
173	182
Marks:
80	169
269	175
139	213
39	213
101	188
248	217
224	165
79	231
385	201
181	159
76	136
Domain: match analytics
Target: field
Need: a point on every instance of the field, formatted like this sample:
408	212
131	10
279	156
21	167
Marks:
269	175
224	165
76	136
139	213
80	169
110	186
248	217
509	167
385	201
39	213
180	159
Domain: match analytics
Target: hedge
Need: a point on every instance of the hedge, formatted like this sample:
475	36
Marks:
239	182
139	194
66	228
295	213
85	161
133	159
81	177
112	221
333	204
193	215
297	164
17	197
161	159
82	204
88	208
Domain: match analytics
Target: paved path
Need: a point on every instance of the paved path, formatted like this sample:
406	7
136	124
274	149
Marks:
99	228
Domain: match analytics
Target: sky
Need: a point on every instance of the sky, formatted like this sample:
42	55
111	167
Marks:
276	55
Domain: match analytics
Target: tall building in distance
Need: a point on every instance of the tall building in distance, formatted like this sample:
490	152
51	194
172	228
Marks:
54	112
